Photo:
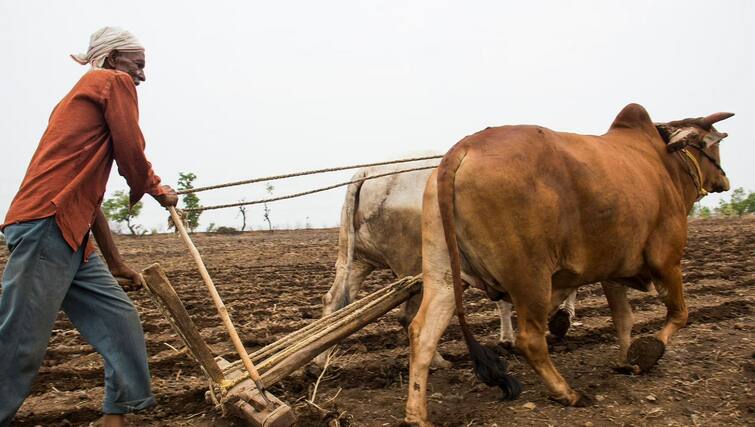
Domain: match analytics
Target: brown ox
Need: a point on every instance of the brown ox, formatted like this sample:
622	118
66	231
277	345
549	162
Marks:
381	228
535	213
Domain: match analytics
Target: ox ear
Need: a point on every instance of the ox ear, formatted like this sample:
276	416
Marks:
665	130
713	137
675	137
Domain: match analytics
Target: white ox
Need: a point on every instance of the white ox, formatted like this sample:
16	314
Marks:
381	228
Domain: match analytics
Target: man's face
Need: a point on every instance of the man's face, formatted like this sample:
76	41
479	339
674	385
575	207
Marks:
131	63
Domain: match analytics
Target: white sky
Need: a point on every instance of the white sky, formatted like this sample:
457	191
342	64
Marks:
244	89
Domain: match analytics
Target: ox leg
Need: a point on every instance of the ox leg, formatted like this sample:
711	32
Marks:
533	304
560	321
425	331
558	324
346	285
505	310
408	312
433	316
645	351
343	292
623	320
569	303
670	289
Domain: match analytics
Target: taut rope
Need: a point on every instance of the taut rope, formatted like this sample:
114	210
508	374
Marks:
304	193
291	175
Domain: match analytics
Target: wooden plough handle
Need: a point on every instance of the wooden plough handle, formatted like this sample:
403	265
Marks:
165	297
253	374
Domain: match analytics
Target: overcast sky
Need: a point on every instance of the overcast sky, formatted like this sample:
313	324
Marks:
245	89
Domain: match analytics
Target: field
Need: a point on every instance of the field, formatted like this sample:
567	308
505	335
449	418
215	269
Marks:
272	284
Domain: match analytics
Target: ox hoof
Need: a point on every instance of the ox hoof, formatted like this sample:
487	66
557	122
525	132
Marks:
583	400
645	352
627	369
559	323
579	400
440	363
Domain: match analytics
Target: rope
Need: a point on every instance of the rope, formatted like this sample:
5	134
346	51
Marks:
312	172
291	196
698	180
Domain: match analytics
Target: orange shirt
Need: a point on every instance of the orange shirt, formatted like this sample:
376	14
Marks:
96	123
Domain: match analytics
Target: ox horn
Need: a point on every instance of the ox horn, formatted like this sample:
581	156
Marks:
708	121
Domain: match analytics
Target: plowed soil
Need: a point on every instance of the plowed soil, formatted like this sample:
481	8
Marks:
272	284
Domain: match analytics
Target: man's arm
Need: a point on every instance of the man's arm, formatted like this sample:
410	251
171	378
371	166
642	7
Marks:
122	117
115	263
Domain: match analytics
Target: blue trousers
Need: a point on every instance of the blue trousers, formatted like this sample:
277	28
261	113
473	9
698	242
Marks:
43	275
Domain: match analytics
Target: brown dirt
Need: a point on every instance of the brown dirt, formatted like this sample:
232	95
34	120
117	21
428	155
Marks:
272	283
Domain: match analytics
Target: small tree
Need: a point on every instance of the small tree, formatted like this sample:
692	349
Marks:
191	201
748	204
226	230
117	209
242	212
739	204
269	188
700	211
724	209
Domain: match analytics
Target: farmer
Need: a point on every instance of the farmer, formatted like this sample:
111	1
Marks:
52	264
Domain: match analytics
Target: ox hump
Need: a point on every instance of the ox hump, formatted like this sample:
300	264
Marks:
633	116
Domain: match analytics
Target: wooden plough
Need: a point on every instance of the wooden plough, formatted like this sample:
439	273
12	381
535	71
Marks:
240	387
230	385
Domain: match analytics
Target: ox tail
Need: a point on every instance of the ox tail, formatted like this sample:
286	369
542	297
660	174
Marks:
489	367
347	242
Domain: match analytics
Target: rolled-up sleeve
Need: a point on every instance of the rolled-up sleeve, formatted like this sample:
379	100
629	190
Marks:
122	116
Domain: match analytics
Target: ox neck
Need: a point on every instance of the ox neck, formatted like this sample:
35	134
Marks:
695	173
690	178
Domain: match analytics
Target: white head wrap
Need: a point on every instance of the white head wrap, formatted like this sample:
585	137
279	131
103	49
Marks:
104	41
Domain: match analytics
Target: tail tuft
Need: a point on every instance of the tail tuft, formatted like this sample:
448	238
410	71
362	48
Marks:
491	370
